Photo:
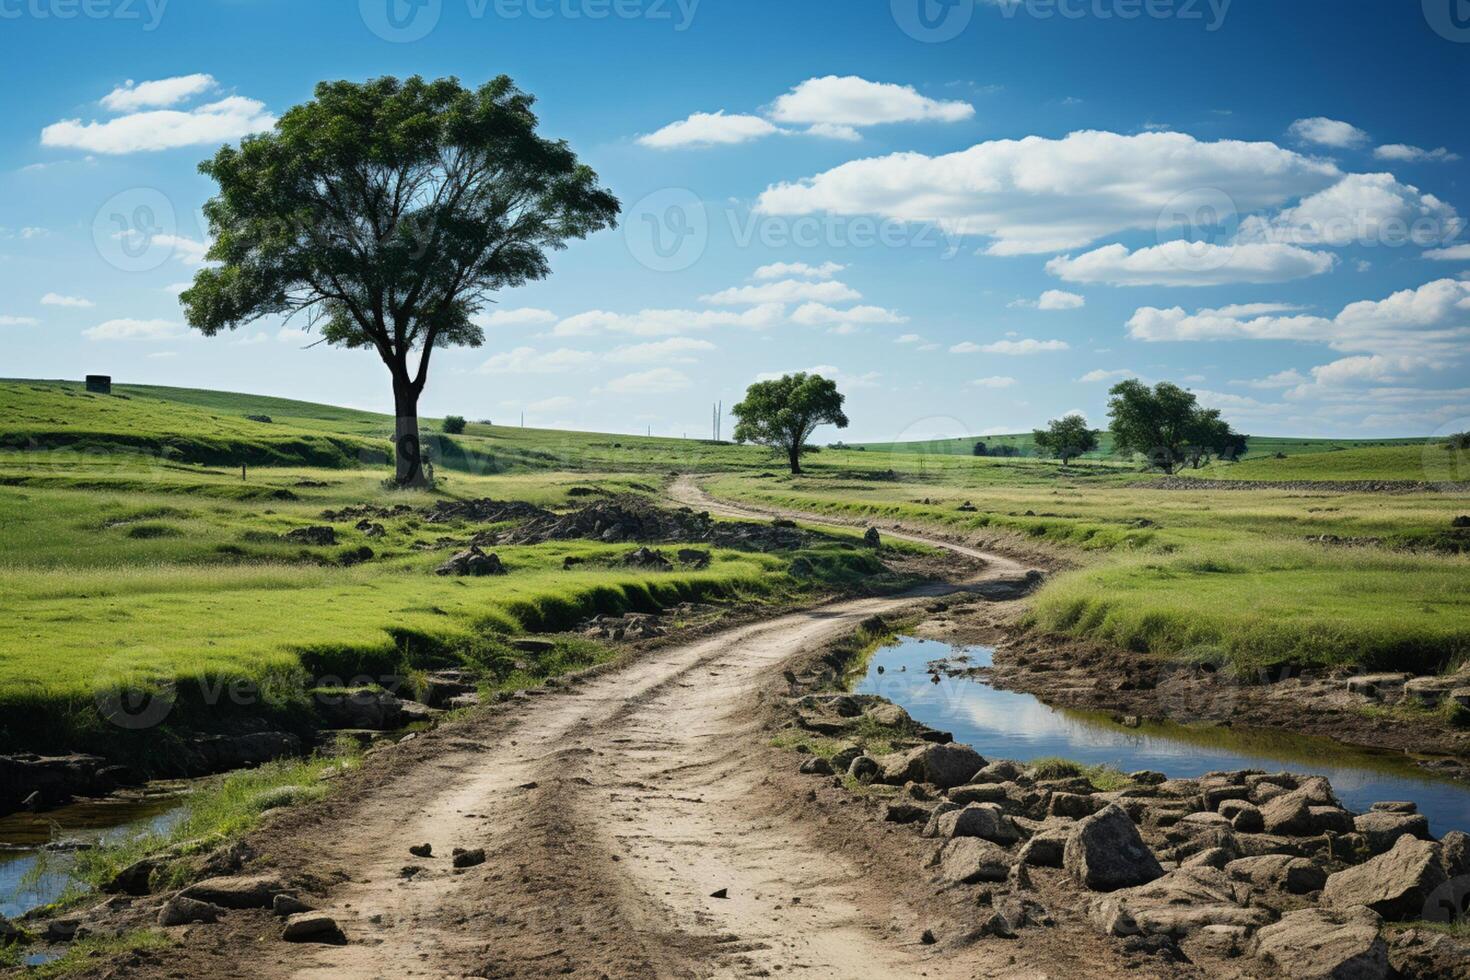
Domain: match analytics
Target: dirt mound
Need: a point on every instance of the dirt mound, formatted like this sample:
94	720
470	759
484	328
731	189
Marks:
626	519
485	510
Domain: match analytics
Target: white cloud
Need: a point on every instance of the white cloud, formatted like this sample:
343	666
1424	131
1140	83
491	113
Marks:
1038	195
1281	379
132	96
1361	208
1255	309
671	351
185	249
908	338
163	129
526	316
18	321
129	329
1404	153
656	381
995	381
831	373
832	131
785	291
1328	132
1455	253
704	129
1182	263
528	360
798	270
817	314
852	101
1052	299
1122	374
668	323
1013	348
75	302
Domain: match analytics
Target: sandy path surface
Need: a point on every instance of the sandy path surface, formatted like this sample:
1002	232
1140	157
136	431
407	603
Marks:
611	812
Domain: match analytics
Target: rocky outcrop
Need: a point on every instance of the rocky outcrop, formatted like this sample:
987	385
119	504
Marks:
1105	852
946	766
630	519
1382	830
1321	944
1181	902
1396	885
472	562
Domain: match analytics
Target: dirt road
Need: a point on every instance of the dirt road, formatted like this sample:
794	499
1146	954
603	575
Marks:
611	812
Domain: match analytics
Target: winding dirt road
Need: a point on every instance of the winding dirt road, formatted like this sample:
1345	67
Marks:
611	811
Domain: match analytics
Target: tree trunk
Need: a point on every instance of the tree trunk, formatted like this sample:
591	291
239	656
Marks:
407	449
794	452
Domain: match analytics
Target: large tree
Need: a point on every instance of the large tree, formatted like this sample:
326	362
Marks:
783	413
1156	422
1066	438
384	213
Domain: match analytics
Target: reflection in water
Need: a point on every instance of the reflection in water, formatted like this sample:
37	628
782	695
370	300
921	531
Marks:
22	835
1010	725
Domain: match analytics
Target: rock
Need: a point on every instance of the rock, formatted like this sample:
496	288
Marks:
1073	805
1394	806
1396	885
1330	819
1105	852
888	715
1244	817
134	879
1289	815
816	766
1213	796
864	769
1282	872
367	709
1377	686
999	771
469	859
248	892
946	766
422	850
694	557
1454	849
1319	944
308	926
1430	691
319	536
1046	847
1148	777
284	905
1211	857
978	793
472	562
1425	953
984	820
647	558
872	539
1178	904
842	758
904	813
967	860
1204	820
1382	829
181	911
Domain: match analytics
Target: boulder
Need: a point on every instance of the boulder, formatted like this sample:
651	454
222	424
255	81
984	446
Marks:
9	932
1178	904
967	860
1046	846
366	710
1289	815
318	536
888	715
1244	817
472	562
247	892
181	911
984	820
1281	872
468	859
1323	944
309	926
1073	805
979	793
946	766
871	538
1105	852
284	905
1454	852
864	769
1331	819
1396	885
816	766
1382	829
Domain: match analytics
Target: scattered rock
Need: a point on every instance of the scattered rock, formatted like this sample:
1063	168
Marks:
284	905
984	820
1181	902
967	860
722	893
316	536
422	850
310	926
469	859
1320	944
181	911
946	766
872	539
864	769
1396	885
1382	829
249	892
472	562
1105	852
816	766
1295	875
647	558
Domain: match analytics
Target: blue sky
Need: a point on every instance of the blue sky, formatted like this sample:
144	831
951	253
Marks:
976	225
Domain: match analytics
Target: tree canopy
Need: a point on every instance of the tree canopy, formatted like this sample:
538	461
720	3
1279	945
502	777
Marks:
385	212
1066	438
1167	425
783	413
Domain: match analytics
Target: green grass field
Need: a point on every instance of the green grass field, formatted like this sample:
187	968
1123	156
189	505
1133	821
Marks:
138	554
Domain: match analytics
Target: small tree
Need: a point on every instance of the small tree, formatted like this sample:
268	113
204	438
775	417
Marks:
1066	438
453	425
978	449
783	413
385	212
1156	422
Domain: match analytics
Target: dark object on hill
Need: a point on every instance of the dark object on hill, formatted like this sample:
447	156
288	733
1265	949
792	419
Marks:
694	557
624	519
647	558
472	562
453	425
265	419
319	536
485	511
1461	521
99	384
967	508
585	492
356	556
872	539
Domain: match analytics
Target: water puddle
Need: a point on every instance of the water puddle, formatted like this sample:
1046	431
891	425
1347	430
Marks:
1011	725
24	838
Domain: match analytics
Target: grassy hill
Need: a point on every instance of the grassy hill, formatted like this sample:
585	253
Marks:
1025	444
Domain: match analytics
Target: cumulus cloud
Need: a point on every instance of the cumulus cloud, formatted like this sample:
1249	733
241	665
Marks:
1360	208
784	291
668	323
1183	263
223	121
1037	195
1052	299
673	350
1404	153
1013	348
852	101
655	381
1281	379
832	373
130	329
1455	253
6	320
1122	374
818	314
704	129
75	302
798	270
1328	132
131	96
526	316
528	360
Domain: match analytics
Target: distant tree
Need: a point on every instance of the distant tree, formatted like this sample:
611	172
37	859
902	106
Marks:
1460	440
979	449
385	212
1234	446
1065	438
1156	422
783	413
453	424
